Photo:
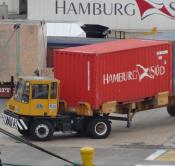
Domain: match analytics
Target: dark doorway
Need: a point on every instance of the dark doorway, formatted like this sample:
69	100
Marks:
23	7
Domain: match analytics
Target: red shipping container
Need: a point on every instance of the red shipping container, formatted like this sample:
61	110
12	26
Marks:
122	71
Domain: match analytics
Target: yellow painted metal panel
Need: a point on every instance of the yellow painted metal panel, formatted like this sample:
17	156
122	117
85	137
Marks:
39	107
53	107
18	107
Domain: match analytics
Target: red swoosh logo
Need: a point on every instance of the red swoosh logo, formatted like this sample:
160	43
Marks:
145	6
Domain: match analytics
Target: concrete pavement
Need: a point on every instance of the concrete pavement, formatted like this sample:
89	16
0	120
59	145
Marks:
151	131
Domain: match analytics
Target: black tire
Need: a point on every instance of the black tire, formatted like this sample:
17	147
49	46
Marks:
99	127
24	132
171	110
41	130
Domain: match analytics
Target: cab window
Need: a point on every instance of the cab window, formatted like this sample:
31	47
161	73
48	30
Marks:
19	90
40	91
53	91
26	92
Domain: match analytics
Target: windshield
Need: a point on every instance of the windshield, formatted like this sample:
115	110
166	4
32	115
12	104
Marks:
19	90
22	91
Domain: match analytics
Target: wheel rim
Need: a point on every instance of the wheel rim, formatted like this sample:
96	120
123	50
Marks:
42	131
100	128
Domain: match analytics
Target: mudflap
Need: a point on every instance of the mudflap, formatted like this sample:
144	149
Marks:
12	120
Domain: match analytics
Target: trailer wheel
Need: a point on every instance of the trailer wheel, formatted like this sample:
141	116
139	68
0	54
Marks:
24	132
171	110
99	128
41	130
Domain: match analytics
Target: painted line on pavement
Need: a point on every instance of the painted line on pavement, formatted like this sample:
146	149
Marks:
156	154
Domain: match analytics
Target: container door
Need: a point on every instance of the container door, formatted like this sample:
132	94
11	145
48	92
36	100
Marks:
39	100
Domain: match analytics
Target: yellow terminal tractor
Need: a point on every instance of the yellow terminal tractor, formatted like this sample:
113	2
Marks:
35	111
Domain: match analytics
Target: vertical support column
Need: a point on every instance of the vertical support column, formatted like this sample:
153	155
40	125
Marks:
17	28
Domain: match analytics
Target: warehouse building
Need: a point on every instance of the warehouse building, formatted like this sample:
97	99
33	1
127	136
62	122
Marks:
128	15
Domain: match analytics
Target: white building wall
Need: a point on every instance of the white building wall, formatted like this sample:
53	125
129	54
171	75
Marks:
3	11
133	15
64	29
13	5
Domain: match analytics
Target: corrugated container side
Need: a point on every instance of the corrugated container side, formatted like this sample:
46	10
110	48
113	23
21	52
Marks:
134	74
123	76
64	42
77	75
169	36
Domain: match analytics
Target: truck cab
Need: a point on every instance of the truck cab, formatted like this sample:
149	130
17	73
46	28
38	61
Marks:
35	96
33	109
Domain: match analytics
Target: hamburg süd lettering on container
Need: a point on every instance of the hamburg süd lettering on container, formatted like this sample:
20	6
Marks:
140	73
